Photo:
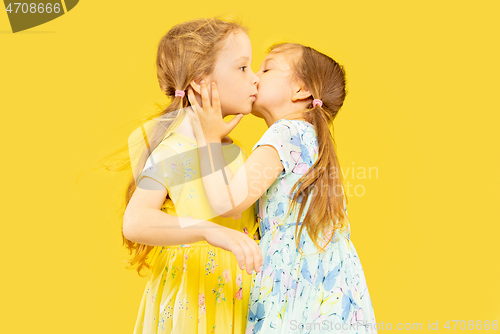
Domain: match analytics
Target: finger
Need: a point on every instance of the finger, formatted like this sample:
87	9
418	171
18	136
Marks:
216	99
232	123
249	262
239	254
205	100
192	100
257	254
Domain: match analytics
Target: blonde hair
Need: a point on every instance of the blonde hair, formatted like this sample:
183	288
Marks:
326	81
187	52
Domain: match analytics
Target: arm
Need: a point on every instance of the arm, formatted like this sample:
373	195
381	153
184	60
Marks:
229	194
145	223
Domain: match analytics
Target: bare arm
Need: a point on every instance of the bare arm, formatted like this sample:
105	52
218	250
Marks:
230	195
146	224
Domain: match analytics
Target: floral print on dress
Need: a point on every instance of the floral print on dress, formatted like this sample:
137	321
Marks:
219	291
192	288
239	284
210	265
307	288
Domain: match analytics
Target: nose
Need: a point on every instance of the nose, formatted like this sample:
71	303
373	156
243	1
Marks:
255	79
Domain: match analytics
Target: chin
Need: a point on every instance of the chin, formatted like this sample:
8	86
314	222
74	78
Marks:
257	114
247	111
237	111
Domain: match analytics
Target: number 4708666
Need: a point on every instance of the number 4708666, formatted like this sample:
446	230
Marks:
33	8
472	325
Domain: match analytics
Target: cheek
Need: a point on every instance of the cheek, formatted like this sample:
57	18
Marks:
231	94
237	90
228	86
267	89
264	98
225	90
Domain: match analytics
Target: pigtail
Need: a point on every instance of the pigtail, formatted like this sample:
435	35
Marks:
322	184
187	51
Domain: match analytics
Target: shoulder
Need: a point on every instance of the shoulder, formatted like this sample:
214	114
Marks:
285	136
285	130
282	133
168	151
283	124
172	142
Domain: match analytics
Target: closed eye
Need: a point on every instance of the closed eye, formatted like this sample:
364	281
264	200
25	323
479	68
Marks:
265	71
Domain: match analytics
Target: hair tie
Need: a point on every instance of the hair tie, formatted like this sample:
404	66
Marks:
317	101
180	93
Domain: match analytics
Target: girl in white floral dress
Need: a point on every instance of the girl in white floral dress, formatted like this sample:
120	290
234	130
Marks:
312	280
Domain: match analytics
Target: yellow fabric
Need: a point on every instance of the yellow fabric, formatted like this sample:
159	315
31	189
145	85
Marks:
195	288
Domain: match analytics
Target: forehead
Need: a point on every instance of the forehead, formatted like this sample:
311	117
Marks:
282	59
236	45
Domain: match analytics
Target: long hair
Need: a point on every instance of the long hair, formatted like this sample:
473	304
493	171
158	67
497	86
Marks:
187	52
326	81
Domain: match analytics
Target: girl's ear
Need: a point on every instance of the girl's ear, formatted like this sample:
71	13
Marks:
301	92
195	84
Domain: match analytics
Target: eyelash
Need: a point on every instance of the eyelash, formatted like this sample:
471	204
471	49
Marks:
265	71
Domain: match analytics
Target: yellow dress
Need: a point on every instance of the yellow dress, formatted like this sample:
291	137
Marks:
193	288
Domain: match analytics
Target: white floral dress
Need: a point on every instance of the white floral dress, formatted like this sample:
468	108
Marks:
324	292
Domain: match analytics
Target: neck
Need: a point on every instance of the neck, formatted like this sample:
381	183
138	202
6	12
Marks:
186	128
294	110
271	118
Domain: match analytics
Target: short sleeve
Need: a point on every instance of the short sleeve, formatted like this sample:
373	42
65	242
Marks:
284	136
164	166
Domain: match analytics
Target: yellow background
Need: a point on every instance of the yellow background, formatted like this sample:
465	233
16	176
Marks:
422	107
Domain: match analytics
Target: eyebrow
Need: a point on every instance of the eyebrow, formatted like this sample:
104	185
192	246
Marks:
241	58
268	60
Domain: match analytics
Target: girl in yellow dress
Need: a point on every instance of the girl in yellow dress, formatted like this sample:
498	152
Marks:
200	264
